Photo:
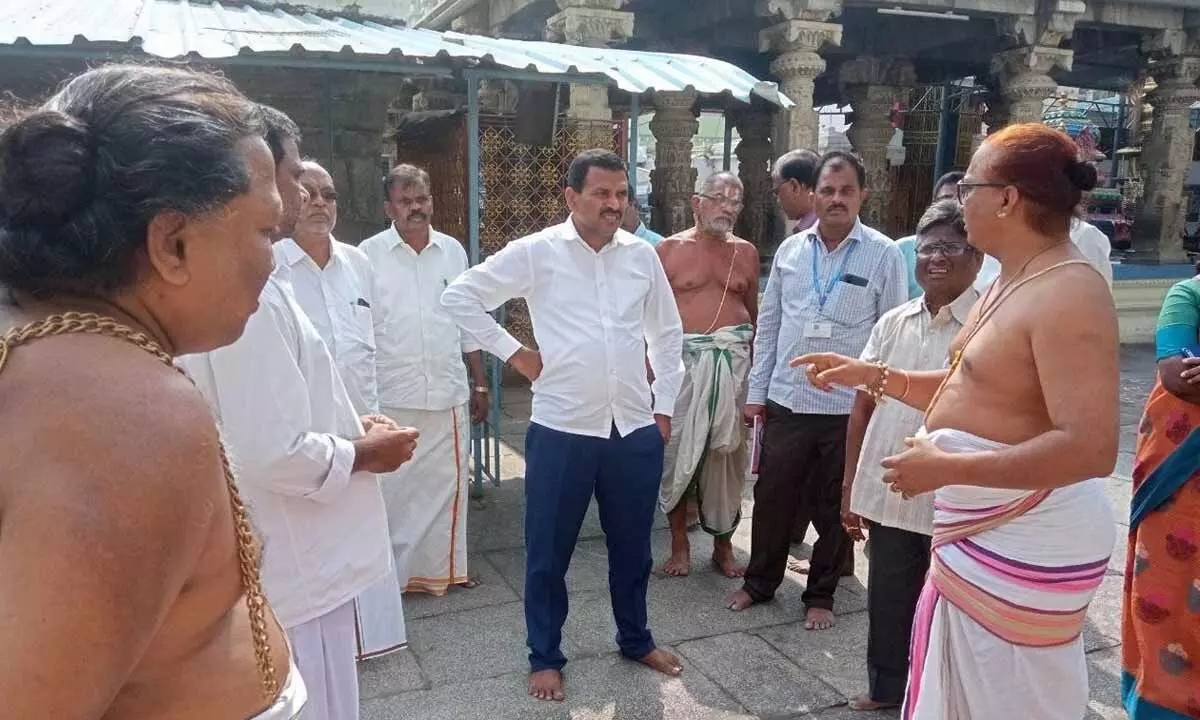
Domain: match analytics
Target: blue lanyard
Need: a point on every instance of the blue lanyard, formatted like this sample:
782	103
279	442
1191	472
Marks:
823	295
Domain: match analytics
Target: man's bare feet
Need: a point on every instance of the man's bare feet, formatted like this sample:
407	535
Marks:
662	661
819	619
679	564
864	703
547	685
800	567
722	558
739	600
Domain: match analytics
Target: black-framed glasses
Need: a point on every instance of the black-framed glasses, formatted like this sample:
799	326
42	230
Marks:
734	203
963	189
947	250
776	188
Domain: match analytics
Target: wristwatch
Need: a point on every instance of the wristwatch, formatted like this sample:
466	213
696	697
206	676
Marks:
481	389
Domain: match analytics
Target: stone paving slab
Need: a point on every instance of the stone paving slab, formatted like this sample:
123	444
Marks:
836	656
471	644
1103	627
761	679
492	590
601	688
391	674
1104	679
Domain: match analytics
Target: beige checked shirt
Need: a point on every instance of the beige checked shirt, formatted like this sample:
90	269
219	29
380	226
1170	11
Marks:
907	338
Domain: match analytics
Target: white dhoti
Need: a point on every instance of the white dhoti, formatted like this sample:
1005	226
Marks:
997	629
707	449
379	618
291	700
324	651
427	501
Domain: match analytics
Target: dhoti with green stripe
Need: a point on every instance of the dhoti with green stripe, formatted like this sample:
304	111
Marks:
707	453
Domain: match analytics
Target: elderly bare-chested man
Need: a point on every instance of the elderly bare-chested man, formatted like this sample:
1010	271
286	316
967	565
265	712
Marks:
714	276
145	198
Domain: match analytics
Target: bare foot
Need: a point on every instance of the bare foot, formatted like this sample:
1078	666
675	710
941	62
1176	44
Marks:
471	584
819	619
800	567
547	685
739	600
679	564
662	661
722	558
864	703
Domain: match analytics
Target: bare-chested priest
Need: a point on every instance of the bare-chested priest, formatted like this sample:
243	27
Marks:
142	199
714	276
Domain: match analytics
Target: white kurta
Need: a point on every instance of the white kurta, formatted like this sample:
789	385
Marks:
339	299
288	423
423	384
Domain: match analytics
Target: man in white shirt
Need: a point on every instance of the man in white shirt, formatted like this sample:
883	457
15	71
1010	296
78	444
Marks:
1091	241
305	467
601	306
333	284
423	383
914	336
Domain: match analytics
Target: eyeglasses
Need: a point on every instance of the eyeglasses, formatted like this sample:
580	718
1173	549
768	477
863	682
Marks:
327	195
963	189
946	250
734	203
776	188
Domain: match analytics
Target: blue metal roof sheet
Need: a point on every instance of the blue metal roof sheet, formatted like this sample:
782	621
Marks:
180	28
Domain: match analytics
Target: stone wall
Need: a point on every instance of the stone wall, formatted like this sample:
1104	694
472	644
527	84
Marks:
342	116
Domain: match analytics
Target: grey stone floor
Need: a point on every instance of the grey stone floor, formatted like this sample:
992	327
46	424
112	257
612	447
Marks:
466	658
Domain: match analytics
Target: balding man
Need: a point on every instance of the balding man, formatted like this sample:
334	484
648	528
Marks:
714	276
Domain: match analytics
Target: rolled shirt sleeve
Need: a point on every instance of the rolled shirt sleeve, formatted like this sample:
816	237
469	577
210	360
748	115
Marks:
503	276
261	398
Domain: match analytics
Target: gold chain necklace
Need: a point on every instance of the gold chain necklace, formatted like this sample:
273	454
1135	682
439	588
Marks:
986	311
256	601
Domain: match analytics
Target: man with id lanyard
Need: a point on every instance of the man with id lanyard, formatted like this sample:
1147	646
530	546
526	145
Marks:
827	288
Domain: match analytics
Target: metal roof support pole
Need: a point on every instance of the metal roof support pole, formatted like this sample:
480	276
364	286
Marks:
635	113
727	160
473	188
947	140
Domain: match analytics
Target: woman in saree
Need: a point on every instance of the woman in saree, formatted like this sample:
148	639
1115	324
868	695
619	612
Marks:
1161	619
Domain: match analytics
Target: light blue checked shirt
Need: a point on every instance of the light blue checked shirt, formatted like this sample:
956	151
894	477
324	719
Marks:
791	301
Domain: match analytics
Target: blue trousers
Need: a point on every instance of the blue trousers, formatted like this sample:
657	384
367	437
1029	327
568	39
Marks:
562	472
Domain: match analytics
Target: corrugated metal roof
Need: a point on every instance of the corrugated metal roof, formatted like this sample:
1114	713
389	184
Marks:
178	29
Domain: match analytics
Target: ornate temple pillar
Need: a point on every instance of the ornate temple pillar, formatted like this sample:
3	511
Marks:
1022	78
797	65
590	23
1167	153
673	179
873	85
754	125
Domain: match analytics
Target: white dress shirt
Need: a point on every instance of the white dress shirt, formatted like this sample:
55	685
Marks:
419	348
285	418
338	299
906	338
1090	240
596	316
865	277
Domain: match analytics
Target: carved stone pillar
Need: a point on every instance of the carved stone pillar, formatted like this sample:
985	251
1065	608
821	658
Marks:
756	223
438	94
797	65
873	85
673	179
1168	154
1022	76
590	23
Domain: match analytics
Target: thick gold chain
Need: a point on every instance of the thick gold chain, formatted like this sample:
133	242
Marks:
247	544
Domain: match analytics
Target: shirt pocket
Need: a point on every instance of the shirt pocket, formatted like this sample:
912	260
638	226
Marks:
627	291
851	305
363	324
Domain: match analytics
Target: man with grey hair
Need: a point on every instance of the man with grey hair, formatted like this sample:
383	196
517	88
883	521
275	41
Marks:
915	336
422	382
714	277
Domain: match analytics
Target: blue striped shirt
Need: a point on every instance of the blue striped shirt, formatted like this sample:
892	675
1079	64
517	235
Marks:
790	301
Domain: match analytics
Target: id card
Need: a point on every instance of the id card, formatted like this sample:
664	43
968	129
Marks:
818	329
